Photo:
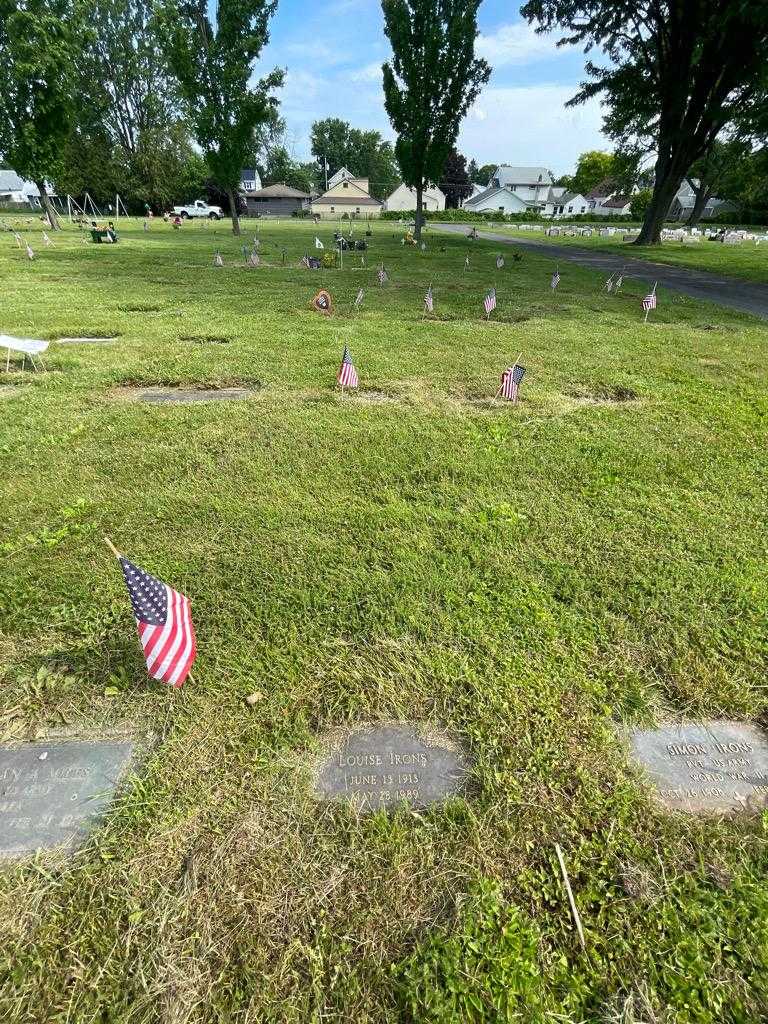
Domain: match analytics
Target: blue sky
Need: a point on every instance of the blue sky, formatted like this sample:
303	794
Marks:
333	51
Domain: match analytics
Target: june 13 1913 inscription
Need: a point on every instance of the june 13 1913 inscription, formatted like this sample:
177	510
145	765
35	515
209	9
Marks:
707	767
51	793
375	767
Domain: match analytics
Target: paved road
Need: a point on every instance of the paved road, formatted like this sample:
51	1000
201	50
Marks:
746	296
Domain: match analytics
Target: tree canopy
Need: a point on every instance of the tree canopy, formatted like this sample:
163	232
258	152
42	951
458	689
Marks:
677	72
365	154
213	64
430	82
454	179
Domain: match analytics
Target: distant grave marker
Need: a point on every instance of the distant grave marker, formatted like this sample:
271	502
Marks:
87	339
51	794
707	767
375	767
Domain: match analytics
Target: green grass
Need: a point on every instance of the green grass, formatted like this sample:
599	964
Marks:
533	578
747	261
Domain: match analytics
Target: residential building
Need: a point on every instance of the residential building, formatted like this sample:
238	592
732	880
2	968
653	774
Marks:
14	189
341	175
404	198
685	199
605	200
250	180
528	183
349	196
276	201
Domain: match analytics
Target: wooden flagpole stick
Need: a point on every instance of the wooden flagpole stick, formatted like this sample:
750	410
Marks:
571	900
498	392
112	547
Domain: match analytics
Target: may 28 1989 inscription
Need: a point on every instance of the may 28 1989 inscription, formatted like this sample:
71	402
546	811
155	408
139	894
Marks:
51	793
709	767
380	766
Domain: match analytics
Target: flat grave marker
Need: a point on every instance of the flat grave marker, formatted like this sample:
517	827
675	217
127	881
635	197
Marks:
375	767
51	794
711	767
196	395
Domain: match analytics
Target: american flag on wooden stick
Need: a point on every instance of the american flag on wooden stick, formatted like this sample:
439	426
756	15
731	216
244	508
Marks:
17	236
347	375
609	283
617	283
305	261
30	252
359	298
382	275
164	620
555	280
466	262
510	382
217	260
489	302
499	262
46	239
649	302
429	302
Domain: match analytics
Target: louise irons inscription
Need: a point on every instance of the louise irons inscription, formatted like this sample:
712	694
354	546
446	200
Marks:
708	767
52	793
382	766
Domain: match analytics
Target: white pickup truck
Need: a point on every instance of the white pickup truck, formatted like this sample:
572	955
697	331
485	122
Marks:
198	209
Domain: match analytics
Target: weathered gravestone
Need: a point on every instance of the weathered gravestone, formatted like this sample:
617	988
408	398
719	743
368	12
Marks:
707	767
376	767
52	793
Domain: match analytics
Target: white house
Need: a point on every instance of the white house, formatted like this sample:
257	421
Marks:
349	196
605	201
496	199
404	198
529	183
250	180
14	189
685	198
342	175
566	204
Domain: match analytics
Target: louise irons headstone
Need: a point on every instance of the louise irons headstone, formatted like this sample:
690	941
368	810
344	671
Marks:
375	767
52	794
709	767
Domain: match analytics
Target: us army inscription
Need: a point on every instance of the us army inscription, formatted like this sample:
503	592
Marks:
381	766
52	793
708	767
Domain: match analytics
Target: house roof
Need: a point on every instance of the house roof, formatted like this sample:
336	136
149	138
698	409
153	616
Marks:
617	203
430	190
486	194
568	197
506	174
248	174
278	192
341	175
327	200
10	181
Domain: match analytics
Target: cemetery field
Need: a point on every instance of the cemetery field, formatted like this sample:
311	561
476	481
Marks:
534	579
747	261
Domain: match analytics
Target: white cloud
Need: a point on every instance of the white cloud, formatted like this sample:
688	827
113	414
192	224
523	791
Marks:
514	45
531	126
369	73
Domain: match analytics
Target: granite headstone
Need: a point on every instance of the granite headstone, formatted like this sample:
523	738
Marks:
710	767
381	766
51	794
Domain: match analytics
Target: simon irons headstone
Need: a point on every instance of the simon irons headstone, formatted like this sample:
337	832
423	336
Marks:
376	767
708	767
52	793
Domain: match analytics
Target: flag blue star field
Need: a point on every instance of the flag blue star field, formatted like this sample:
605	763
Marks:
347	375
164	620
489	302
429	302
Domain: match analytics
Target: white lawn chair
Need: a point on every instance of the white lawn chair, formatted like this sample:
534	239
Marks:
27	346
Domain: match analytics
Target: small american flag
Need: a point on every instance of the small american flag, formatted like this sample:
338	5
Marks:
489	302
253	259
423	246
359	299
429	302
649	302
609	283
499	262
555	280
46	239
618	282
217	260
382	275
305	261
347	375
466	262
510	382
17	236
164	620
30	252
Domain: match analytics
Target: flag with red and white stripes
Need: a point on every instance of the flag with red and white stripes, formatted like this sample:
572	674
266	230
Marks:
555	280
649	302
489	302
510	382
164	620
347	375
429	301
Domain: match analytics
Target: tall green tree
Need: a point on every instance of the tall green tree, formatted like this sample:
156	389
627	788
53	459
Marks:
430	83
37	58
591	168
364	153
213	64
677	72
454	179
484	173
712	170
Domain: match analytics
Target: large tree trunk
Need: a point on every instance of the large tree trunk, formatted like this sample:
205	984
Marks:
703	195
47	205
233	211
417	229
668	178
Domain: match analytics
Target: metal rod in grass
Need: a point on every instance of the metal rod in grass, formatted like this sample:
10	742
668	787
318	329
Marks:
118	556
571	900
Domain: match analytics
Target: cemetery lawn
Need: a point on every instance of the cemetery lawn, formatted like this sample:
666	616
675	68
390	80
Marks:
533	578
747	261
